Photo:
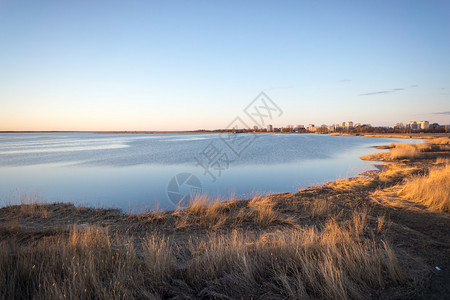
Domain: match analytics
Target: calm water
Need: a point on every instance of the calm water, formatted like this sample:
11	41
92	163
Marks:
133	171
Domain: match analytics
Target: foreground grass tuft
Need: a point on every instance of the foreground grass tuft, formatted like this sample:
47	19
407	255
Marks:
431	190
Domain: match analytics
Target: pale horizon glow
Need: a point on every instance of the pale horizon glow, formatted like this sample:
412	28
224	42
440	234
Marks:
176	65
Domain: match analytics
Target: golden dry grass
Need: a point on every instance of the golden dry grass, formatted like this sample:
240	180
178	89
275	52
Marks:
85	263
431	190
403	150
440	141
333	261
202	212
410	151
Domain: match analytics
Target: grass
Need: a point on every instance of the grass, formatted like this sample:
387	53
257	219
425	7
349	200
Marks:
431	190
84	263
332	261
440	141
403	150
411	151
202	212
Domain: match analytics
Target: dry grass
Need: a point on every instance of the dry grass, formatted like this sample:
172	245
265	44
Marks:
86	263
440	141
332	263
319	207
202	212
397	171
408	150
431	190
335	260
31	205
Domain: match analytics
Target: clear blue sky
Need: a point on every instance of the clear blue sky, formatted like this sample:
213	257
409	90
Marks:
176	65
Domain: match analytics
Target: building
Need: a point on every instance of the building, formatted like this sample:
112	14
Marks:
348	125
269	128
414	125
311	128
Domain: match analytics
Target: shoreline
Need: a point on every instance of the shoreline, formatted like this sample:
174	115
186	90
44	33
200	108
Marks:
364	209
414	135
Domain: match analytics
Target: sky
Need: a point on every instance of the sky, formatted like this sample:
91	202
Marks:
187	65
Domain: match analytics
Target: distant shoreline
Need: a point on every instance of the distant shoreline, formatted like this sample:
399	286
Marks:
417	135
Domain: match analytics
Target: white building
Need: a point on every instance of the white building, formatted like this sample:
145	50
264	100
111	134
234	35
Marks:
269	128
348	125
424	124
414	125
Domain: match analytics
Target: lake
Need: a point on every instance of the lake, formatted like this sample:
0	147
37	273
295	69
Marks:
138	172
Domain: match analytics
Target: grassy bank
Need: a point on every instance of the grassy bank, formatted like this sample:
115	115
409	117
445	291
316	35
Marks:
375	236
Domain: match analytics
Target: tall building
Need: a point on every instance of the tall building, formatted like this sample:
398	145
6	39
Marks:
424	124
414	125
411	125
348	125
269	128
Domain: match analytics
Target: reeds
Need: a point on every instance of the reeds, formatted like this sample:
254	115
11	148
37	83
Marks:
202	212
403	150
440	141
336	260
432	189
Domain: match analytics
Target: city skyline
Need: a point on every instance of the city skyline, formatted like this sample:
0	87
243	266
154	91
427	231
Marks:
154	66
